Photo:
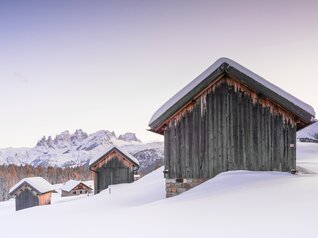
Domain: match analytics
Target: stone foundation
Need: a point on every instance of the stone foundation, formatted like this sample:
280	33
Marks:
177	186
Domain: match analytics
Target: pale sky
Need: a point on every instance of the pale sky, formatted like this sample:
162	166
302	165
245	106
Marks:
110	65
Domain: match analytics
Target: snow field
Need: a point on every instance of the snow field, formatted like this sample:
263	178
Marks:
233	204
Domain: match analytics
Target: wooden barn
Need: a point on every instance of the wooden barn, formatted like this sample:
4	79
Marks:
30	192
115	166
74	188
228	118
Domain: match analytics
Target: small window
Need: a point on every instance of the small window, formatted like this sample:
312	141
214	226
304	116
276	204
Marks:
85	191
81	192
74	192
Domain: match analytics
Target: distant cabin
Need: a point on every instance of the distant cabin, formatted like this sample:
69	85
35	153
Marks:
228	118
74	188
30	192
115	166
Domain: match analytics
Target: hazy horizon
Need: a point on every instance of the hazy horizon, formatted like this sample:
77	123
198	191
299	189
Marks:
109	65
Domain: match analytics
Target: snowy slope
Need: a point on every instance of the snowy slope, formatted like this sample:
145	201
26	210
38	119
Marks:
77	149
307	157
233	204
308	134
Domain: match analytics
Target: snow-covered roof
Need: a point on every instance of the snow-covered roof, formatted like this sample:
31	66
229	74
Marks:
38	183
189	87
110	148
69	185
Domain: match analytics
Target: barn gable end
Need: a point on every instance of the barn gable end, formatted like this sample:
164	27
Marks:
227	122
115	166
30	192
73	188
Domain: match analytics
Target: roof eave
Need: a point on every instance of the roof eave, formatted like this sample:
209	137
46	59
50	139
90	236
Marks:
133	162
76	186
225	68
108	152
278	99
12	193
155	125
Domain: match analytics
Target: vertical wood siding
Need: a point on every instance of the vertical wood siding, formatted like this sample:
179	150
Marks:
229	129
26	199
45	198
113	172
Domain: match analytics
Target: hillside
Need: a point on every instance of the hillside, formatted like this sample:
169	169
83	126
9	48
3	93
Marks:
307	158
70	150
308	134
233	204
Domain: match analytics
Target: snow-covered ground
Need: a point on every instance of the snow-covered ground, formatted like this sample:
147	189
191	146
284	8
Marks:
233	204
307	157
308	133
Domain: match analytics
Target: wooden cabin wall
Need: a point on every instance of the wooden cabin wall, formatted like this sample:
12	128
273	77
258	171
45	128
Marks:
67	194
96	187
229	129
113	172
77	192
45	199
26	199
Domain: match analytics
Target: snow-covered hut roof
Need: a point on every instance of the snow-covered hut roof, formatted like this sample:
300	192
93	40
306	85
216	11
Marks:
109	149
39	184
226	65
71	184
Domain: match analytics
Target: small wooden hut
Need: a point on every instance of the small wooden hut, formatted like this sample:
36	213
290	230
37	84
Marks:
30	192
74	188
228	118
115	166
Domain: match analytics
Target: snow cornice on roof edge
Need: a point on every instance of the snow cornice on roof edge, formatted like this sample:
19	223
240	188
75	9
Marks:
39	184
221	66
111	148
71	184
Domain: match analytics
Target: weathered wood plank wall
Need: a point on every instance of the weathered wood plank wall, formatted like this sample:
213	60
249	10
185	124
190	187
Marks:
113	172
45	198
229	128
26	199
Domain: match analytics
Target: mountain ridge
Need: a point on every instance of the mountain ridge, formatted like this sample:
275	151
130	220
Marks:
76	149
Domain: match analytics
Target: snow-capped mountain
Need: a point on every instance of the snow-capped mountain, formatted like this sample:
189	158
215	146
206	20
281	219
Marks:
308	134
129	137
78	148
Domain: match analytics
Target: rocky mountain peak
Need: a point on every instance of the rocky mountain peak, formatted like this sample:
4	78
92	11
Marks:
81	140
129	136
44	143
63	140
49	140
78	136
41	142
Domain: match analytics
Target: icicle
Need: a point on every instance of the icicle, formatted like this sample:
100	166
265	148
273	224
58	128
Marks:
203	104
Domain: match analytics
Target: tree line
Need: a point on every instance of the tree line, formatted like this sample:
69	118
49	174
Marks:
11	174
